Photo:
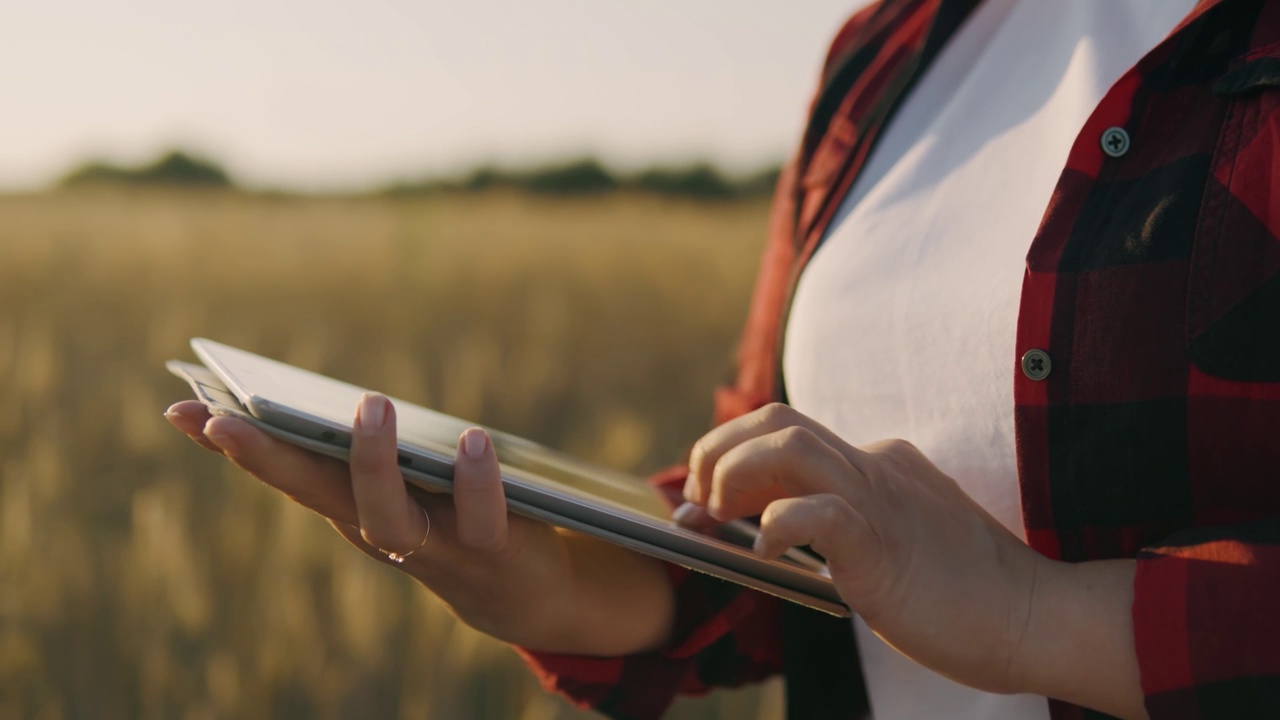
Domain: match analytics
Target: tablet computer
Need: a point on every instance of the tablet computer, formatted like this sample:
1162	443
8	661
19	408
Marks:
315	412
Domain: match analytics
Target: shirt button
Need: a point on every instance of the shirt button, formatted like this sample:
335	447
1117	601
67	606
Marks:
1036	364
1115	141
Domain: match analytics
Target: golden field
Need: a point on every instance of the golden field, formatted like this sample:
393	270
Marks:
141	577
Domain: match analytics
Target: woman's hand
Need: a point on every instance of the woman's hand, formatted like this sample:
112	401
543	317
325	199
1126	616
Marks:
510	577
926	568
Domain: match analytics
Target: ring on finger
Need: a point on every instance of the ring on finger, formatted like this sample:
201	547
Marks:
399	557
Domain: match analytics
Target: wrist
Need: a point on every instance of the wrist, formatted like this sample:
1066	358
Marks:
621	602
1078	645
1042	639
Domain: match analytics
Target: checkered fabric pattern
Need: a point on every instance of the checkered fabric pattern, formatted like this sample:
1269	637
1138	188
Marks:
1153	287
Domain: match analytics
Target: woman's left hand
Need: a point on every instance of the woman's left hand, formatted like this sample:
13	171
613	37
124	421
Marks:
928	569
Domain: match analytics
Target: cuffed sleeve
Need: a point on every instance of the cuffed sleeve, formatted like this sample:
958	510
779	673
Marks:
725	635
1206	626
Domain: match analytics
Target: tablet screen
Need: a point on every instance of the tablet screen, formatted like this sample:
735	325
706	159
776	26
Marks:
277	392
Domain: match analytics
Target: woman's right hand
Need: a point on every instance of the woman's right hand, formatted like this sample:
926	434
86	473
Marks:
516	579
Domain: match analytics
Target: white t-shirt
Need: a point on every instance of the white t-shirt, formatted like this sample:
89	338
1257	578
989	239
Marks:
903	323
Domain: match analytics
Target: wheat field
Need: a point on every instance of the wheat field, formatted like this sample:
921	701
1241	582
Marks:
141	577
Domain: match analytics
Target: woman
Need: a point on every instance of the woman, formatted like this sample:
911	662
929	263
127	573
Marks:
1135	576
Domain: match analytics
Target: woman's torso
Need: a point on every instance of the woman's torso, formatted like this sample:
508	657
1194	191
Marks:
903	323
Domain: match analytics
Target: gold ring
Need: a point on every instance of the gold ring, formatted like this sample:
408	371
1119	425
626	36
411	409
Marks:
399	557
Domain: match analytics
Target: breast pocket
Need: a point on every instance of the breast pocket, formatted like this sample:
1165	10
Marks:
1233	302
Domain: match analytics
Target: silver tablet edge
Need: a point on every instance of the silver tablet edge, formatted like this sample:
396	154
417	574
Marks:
433	482
805	568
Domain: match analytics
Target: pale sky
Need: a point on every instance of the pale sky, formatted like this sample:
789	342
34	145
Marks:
342	95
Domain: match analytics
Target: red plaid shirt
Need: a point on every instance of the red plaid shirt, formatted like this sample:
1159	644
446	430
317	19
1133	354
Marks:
1153	285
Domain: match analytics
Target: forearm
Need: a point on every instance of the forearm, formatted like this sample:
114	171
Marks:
1079	644
561	592
594	599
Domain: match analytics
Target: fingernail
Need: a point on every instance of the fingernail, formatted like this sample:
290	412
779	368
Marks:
757	546
474	441
373	412
690	490
686	513
225	442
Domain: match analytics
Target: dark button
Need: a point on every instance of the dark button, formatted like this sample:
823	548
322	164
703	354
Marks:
1036	364
1115	141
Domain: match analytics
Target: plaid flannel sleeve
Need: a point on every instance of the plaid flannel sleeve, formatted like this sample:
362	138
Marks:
725	636
1206	624
1207	601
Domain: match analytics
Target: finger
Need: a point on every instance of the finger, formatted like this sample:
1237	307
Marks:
389	518
827	523
786	463
189	416
707	451
355	537
314	481
693	517
352	534
443	575
478	498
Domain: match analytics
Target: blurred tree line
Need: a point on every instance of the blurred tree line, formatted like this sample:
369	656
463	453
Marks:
172	168
582	176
